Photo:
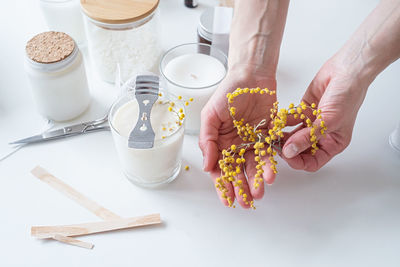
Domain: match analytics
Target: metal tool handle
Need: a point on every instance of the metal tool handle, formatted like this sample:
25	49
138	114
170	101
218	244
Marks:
146	92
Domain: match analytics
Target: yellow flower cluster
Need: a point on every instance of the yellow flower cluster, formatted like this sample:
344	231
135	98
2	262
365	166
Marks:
264	141
172	107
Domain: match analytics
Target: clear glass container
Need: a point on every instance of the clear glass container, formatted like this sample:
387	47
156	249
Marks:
214	27
133	45
154	166
205	27
59	88
394	139
193	71
64	16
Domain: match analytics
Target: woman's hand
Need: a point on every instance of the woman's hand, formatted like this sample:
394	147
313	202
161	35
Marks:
218	132
340	86
339	95
255	39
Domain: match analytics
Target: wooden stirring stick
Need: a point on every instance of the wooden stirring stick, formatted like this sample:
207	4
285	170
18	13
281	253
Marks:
70	192
63	233
72	241
94	227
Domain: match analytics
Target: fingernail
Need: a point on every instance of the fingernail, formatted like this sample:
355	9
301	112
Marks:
290	151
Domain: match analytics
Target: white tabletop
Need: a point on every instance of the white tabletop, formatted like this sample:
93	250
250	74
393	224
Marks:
346	214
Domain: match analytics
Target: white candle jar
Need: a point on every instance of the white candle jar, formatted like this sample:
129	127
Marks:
193	71
64	16
154	166
57	76
123	32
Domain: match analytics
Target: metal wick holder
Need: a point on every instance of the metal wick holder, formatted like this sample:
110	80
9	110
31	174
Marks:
146	92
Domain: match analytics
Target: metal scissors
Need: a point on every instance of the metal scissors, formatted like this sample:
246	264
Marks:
100	124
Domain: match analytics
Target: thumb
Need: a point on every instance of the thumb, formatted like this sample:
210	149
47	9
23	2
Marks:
297	143
301	140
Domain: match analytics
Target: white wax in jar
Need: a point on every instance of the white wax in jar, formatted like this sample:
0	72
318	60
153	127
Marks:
64	16
197	76
157	164
63	94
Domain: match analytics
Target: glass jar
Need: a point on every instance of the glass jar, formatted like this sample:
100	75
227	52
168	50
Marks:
214	27
205	27
394	139
123	32
154	166
193	71
64	16
57	76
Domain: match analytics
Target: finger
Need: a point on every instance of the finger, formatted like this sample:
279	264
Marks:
315	90
297	143
308	162
268	175
301	140
210	124
292	121
301	115
287	135
242	191
229	193
256	184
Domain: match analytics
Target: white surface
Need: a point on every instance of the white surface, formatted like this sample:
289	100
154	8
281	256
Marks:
347	214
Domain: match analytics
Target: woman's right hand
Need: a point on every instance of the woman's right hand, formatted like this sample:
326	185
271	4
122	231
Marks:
217	130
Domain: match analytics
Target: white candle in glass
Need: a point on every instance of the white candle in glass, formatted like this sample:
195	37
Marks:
153	166
64	16
194	75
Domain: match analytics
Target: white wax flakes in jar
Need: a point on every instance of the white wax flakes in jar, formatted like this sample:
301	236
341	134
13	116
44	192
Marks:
128	37
136	50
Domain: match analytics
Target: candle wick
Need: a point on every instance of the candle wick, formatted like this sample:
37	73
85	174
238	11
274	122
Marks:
194	76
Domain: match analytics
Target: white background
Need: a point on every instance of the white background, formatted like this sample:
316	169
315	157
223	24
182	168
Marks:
346	214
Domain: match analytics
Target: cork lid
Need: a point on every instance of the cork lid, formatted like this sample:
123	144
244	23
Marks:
50	47
118	11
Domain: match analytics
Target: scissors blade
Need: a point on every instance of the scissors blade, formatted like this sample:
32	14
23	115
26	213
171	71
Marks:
32	139
62	133
50	135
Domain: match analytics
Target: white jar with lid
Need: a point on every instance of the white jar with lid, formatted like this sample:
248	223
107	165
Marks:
57	74
123	32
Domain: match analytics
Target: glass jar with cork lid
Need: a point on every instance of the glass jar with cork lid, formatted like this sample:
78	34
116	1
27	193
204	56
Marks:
124	33
57	75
